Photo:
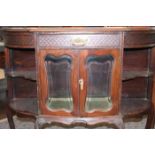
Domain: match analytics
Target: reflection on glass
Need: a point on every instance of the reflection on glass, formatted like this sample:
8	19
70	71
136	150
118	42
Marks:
59	78
99	70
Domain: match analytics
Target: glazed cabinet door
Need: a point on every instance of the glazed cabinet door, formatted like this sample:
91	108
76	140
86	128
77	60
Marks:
58	82
79	74
100	82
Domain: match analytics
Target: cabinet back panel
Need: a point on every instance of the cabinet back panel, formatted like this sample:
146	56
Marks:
136	59
24	88
24	59
136	88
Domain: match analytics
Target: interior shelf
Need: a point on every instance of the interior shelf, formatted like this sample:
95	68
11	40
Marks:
129	106
134	106
27	106
128	75
31	74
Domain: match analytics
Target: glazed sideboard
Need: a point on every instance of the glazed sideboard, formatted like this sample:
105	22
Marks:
63	74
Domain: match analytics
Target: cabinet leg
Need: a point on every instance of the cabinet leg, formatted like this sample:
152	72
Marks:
118	122
150	120
9	115
39	122
36	125
151	113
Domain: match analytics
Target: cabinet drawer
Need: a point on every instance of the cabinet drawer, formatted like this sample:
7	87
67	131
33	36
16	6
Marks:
139	39
108	40
19	39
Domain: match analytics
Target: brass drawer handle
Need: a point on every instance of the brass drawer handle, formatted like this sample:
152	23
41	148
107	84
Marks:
79	41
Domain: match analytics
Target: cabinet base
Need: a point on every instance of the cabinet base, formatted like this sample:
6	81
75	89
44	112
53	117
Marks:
89	122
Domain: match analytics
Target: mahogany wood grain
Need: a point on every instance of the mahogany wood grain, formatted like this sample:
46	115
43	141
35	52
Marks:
43	83
139	56
151	115
2	62
55	45
116	80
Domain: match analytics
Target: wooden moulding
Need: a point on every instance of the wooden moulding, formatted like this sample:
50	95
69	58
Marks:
89	122
26	39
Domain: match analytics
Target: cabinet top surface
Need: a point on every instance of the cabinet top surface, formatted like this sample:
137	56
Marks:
81	29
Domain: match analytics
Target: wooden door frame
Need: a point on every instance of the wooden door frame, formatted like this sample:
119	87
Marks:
43	82
115	86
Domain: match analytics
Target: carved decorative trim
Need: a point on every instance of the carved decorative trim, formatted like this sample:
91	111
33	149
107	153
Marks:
92	122
79	41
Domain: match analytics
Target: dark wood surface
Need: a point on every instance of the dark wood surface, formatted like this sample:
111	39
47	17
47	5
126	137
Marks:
115	80
134	37
90	29
138	63
3	84
98	45
2	60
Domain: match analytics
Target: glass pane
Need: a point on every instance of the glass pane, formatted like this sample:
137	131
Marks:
99	70
59	87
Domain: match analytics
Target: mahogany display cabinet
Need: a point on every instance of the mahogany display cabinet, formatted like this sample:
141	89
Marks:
80	75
